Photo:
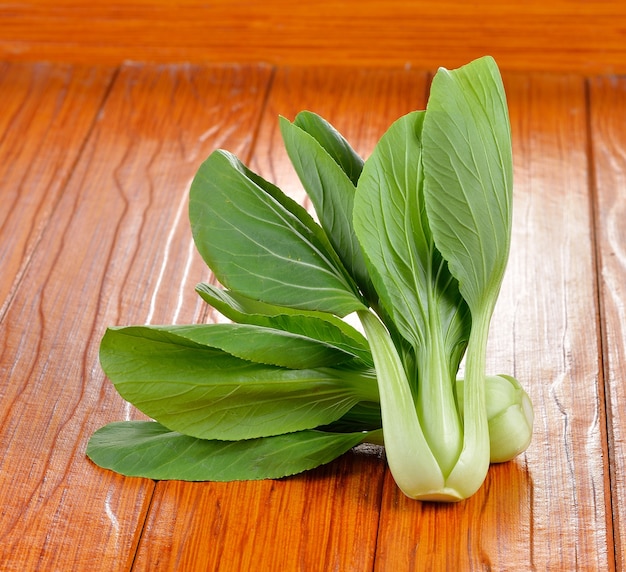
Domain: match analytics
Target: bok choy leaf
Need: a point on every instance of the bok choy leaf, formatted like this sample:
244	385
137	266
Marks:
262	244
147	449
439	187
180	378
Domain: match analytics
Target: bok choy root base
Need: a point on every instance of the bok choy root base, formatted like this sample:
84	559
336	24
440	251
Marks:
414	241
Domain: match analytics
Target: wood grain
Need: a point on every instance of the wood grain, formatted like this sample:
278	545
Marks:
116	150
563	35
324	520
608	109
548	509
550	310
116	250
47	112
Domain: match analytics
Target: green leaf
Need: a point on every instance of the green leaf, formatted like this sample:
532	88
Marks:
333	143
469	176
319	326
259	344
259	242
468	192
364	416
205	392
413	281
332	193
148	449
412	278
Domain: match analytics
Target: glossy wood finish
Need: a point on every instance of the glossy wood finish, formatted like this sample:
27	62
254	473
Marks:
96	234
608	110
561	35
47	112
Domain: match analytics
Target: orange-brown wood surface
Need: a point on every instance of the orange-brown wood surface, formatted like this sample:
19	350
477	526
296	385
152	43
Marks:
47	112
566	35
608	97
95	165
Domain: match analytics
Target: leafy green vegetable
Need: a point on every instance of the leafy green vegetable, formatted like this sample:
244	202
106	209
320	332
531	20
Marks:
414	241
468	200
441	183
147	449
332	142
330	189
262	244
319	326
177	376
417	291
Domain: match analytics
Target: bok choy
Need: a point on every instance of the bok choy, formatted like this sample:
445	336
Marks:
413	241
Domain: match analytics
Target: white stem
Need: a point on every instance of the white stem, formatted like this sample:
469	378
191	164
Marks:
471	469
412	464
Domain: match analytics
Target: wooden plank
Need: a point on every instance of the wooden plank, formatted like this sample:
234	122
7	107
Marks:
326	519
47	112
549	508
117	250
533	35
608	109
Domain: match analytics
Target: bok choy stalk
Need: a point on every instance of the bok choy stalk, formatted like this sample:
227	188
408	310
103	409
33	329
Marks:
414	241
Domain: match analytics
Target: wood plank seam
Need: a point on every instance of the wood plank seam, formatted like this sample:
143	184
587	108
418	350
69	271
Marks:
613	508
612	515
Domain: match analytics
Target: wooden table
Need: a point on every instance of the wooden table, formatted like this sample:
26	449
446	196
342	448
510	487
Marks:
95	165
